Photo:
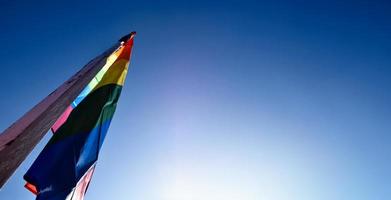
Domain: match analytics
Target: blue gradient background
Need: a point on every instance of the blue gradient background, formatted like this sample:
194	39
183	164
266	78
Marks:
226	100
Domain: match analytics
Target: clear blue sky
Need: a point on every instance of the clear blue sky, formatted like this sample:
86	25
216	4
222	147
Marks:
225	100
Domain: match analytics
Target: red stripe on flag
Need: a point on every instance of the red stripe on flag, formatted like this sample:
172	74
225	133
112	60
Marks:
31	188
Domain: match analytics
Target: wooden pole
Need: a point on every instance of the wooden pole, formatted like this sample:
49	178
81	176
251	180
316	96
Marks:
17	141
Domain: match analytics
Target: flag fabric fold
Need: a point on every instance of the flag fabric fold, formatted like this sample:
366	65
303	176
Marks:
65	166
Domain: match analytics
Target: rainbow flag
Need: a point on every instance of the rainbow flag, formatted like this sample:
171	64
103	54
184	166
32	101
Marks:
65	166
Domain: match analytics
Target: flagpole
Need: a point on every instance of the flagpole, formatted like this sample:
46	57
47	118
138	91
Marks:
18	140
